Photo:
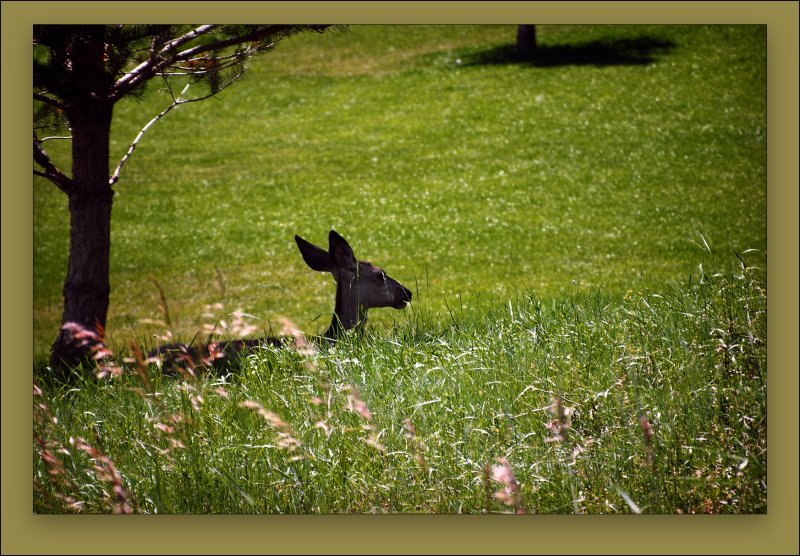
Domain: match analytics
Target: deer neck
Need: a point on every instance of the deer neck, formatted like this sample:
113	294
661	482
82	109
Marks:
348	313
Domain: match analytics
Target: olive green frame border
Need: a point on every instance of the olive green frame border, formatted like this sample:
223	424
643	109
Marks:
773	533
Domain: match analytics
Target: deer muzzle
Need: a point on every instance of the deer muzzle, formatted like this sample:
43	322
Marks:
404	299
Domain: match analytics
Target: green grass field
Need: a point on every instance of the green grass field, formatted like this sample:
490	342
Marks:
590	227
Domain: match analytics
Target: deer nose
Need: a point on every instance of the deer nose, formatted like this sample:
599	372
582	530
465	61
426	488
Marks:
403	299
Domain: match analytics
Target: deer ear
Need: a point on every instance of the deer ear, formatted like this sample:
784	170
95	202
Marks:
341	252
314	257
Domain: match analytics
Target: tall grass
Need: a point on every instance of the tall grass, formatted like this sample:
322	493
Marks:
569	350
649	402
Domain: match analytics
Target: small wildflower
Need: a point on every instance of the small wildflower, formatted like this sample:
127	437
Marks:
373	441
286	439
249	404
105	471
509	493
102	353
239	326
413	442
562	422
647	431
302	346
222	392
109	369
287	442
177	444
141	366
273	419
503	473
324	426
356	404
92	343
164	428
175	418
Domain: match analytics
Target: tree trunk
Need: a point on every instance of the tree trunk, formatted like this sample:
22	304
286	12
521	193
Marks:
86	288
526	41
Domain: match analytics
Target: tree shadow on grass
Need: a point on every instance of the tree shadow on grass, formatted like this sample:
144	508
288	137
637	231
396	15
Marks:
605	52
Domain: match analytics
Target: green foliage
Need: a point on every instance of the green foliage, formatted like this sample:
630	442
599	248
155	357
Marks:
546	215
213	57
657	397
467	180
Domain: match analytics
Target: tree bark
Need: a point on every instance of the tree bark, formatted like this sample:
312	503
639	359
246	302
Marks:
87	288
526	41
81	77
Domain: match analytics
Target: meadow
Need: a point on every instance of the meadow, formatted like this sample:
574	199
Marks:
584	234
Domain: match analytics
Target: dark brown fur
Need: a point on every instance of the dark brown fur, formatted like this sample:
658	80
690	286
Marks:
360	286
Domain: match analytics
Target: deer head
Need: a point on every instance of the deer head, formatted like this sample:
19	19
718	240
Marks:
359	285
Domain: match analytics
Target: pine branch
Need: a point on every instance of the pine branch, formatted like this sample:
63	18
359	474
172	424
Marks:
180	41
158	60
209	69
43	139
219	45
47	100
175	103
167	56
51	172
209	65
118	169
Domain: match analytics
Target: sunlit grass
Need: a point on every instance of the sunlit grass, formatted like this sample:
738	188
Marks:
650	403
472	179
585	238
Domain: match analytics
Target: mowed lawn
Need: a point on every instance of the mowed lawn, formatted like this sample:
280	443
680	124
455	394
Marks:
469	175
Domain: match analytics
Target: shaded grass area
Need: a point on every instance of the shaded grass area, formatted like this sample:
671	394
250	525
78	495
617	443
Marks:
640	51
650	403
467	181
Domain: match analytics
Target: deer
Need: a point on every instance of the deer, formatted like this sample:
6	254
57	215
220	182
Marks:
360	286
